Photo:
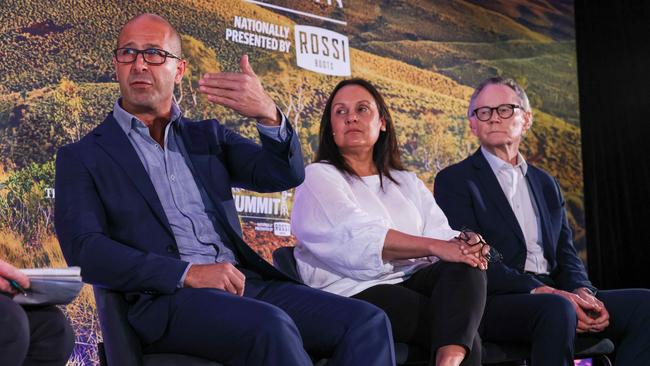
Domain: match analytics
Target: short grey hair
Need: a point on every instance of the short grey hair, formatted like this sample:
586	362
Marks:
511	83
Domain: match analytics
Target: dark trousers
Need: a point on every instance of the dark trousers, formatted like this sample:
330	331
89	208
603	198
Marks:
33	335
439	305
549	322
276	323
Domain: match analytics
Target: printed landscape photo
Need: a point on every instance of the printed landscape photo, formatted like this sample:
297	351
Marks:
57	83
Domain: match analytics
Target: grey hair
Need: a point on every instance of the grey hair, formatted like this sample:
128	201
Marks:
511	83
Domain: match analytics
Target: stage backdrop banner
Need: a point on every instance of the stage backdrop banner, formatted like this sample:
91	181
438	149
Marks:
57	83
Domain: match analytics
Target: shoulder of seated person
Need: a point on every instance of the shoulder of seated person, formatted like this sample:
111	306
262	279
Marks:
321	168
405	175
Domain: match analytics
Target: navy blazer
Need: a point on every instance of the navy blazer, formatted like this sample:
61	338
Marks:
110	222
471	197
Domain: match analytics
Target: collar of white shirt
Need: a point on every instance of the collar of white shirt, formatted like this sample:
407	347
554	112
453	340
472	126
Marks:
497	164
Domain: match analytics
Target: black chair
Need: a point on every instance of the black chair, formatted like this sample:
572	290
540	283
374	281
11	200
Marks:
121	346
517	354
492	353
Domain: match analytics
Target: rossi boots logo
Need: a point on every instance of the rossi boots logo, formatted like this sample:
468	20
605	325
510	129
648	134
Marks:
321	50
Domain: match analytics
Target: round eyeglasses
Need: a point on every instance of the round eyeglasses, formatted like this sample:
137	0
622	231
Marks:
152	56
465	236
484	114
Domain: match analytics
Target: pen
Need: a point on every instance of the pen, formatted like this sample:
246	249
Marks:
18	287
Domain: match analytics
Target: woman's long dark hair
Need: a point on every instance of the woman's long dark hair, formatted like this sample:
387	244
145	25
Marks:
385	153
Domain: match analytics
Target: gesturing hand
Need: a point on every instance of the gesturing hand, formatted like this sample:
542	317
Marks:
8	273
223	276
240	91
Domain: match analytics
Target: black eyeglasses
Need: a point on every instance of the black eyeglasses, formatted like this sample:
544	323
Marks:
492	256
152	56
484	114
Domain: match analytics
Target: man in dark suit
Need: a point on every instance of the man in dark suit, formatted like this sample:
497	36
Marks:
144	206
539	292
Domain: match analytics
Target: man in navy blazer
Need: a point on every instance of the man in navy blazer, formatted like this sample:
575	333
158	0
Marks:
144	206
539	292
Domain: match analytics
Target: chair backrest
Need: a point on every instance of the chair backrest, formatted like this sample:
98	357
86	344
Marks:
588	346
284	260
121	344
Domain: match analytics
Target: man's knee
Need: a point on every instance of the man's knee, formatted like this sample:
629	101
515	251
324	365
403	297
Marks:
52	332
556	311
367	317
628	304
370	312
14	337
276	323
643	296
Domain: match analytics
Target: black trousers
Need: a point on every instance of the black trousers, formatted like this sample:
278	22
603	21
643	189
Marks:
438	305
35	335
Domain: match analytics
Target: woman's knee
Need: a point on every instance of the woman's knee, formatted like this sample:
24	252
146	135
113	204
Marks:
473	279
462	270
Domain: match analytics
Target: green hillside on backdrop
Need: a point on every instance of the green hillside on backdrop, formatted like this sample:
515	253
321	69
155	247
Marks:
531	41
56	81
56	84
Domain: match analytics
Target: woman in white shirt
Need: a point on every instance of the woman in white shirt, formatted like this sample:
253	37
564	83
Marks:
368	229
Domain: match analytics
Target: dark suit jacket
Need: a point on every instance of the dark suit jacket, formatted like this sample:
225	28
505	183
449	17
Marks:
109	220
471	197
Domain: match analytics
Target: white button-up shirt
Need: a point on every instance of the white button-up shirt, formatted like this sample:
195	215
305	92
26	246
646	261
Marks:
341	224
512	179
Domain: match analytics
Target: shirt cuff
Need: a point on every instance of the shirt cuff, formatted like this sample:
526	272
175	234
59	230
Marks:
277	133
182	280
534	291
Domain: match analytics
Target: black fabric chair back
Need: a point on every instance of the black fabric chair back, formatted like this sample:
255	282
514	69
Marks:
284	260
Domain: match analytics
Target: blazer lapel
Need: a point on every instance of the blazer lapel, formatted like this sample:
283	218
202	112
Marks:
201	153
112	139
202	147
542	209
495	193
